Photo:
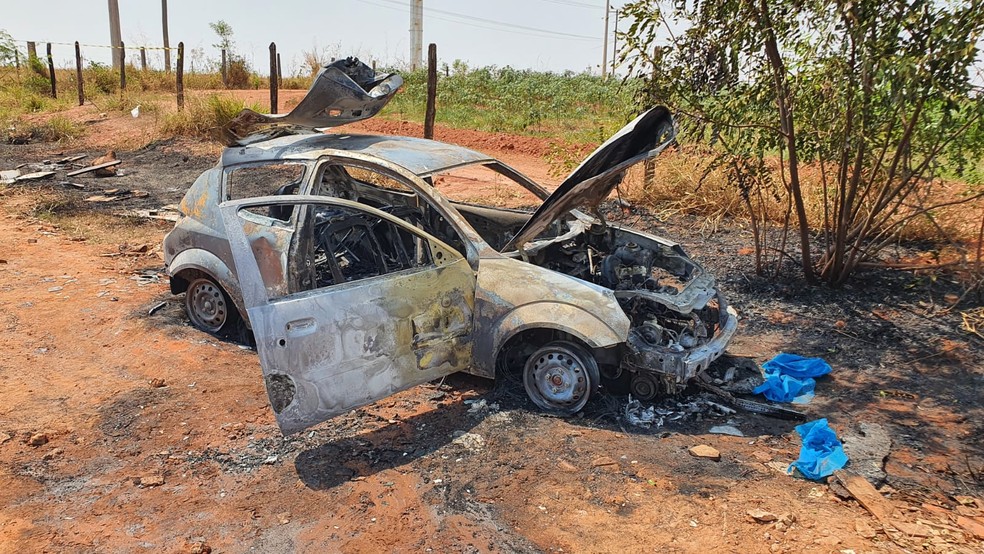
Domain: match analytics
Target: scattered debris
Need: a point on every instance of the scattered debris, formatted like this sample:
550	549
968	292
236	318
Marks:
197	547
102	166
912	529
790	378
9	176
4	437
165	213
157	383
638	416
749	405
71	184
35	176
726	430
471	442
762	516
156	308
821	454
481	406
704	451
113	195
37	439
973	322
867	450
866	495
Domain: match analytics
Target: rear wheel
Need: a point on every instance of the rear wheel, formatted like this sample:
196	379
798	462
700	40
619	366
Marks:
209	307
560	377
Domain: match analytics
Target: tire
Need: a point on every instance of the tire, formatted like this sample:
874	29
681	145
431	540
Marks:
209	307
560	378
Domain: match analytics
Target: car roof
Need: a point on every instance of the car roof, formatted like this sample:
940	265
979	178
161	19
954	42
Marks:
420	156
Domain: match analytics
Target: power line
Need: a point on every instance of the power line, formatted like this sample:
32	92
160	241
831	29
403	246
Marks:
574	4
502	25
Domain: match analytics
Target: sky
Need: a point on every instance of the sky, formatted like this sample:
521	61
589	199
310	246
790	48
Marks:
546	35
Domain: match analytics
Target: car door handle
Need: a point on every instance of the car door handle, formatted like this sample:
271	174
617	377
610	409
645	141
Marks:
301	327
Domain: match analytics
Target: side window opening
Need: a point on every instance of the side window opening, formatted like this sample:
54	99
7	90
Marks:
277	178
350	246
389	194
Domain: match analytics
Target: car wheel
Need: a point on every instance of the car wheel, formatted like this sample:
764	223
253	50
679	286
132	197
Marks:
560	377
209	307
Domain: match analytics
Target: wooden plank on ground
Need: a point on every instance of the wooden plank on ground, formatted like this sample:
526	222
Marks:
93	168
866	495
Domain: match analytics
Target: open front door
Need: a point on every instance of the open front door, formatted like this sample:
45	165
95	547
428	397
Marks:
384	306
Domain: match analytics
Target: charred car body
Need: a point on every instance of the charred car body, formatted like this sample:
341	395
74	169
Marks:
359	278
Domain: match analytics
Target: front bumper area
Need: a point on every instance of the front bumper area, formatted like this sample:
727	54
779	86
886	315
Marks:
676	369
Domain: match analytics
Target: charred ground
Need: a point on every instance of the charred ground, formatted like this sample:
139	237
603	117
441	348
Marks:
100	456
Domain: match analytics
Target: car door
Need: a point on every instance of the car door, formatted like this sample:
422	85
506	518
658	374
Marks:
389	306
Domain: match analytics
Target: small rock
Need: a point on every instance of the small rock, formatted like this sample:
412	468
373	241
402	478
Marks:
762	516
603	461
198	547
51	454
564	465
761	456
968	501
864	530
270	460
157	383
704	451
37	439
726	430
4	437
152	480
283	518
828	541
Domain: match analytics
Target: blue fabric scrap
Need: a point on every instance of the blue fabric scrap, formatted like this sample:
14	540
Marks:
789	378
821	454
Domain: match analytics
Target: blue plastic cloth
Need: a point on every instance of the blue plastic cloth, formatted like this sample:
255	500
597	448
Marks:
789	378
821	454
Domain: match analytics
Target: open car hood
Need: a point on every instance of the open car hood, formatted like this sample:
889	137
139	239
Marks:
344	91
642	139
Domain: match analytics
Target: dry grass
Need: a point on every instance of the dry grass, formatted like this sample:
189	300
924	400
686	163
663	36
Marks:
685	183
205	117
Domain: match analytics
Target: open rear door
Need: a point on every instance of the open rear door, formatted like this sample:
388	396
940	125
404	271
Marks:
387	306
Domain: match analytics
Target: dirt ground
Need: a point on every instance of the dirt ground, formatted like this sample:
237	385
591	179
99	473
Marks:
126	430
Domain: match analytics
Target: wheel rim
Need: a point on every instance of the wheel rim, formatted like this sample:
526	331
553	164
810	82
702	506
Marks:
558	379
206	305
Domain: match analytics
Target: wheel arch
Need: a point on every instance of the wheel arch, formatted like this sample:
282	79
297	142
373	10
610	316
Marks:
552	321
191	264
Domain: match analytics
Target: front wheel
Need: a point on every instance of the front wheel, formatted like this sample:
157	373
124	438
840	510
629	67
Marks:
560	377
209	307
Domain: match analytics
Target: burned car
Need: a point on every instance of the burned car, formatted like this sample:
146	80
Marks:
359	277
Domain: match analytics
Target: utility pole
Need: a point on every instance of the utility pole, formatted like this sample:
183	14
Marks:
604	48
114	33
615	44
167	44
416	34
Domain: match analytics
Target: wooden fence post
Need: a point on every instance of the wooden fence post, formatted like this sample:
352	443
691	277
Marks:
273	77
122	68
51	72
180	87
32	52
78	72
431	111
225	71
280	75
143	59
